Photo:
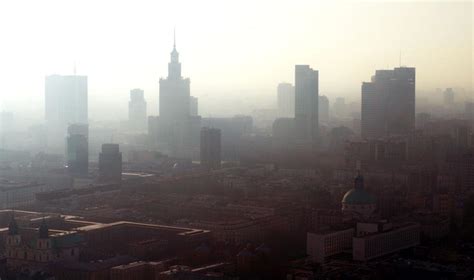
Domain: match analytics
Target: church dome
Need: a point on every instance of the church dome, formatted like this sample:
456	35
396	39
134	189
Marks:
358	195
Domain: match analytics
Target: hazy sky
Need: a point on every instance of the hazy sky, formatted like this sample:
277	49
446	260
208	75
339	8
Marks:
226	47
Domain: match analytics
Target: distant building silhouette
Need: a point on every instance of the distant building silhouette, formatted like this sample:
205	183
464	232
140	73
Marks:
177	131
65	103
210	147
77	149
306	103
339	108
286	100
323	109
110	163
137	115
448	97
388	103
232	130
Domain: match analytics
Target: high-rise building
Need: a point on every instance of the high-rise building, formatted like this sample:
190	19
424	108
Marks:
65	104
210	147
286	100
110	163
388	103
77	149
177	129
323	109
193	106
137	110
174	91
306	103
66	99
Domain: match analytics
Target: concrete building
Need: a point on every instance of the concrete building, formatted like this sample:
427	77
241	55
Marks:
286	100
77	149
377	241
306	104
137	113
388	103
210	148
326	243
110	163
15	194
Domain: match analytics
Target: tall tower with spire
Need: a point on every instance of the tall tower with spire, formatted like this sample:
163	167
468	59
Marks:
175	125
174	66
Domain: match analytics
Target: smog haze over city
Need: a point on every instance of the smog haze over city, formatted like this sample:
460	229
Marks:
242	48
236	140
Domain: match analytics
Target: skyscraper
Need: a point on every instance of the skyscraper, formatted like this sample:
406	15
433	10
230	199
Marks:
110	163
286	100
137	110
388	103
66	99
177	130
174	91
210	147
306	103
77	149
65	104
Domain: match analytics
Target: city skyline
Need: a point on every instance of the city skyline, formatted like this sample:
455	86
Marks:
292	140
129	59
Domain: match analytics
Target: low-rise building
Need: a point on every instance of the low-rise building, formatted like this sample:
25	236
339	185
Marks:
327	243
380	243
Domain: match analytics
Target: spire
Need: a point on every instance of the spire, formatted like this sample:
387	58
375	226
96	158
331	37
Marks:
359	181
174	38
13	227
174	53
43	230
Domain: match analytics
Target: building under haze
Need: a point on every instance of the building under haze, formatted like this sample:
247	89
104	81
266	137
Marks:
193	106
65	104
6	127
210	148
448	97
110	163
77	149
137	116
306	104
176	128
286	100
388	103
323	109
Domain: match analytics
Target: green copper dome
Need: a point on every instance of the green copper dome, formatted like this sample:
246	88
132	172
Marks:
358	195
